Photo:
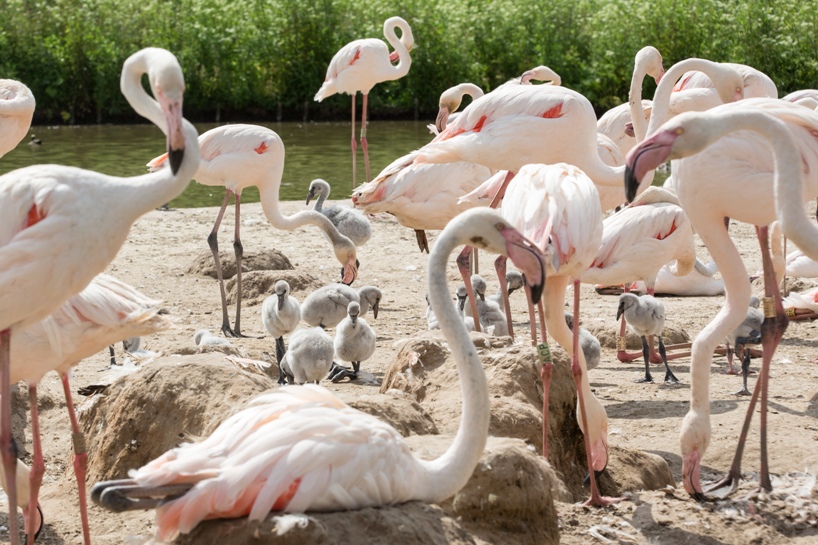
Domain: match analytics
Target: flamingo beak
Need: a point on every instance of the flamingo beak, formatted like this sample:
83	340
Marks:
280	303
529	259
645	157
350	271
394	56
310	195
461	303
353	318
172	110
442	119
658	78
629	129
691	474
620	310
375	308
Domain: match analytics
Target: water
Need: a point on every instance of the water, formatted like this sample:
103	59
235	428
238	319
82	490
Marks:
313	150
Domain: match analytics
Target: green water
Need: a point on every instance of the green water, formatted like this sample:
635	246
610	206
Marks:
313	150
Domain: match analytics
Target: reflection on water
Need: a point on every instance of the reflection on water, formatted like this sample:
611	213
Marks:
313	150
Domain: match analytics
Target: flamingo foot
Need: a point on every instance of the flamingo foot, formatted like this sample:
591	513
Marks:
625	357
724	487
647	379
743	392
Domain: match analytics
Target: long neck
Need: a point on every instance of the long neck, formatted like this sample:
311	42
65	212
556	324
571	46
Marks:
449	473
640	126
319	203
470	89
400	45
135	94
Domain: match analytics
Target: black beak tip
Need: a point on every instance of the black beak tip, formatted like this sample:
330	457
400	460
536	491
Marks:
175	156
536	292
631	184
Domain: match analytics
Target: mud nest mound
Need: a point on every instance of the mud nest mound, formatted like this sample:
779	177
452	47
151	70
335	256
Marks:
269	260
400	411
607	335
423	368
258	285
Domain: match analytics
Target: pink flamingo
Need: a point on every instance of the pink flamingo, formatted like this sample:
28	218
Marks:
105	312
240	156
772	144
16	110
557	206
302	449
362	64
695	92
60	226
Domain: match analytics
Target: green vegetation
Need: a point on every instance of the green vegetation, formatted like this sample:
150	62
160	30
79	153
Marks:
265	59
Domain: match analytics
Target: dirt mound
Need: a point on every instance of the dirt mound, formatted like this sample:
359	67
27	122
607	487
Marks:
509	499
160	406
269	260
607	335
258	285
630	470
400	411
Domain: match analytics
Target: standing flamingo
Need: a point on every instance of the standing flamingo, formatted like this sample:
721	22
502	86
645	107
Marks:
362	64
60	226
240	156
754	161
303	449
16	110
105	312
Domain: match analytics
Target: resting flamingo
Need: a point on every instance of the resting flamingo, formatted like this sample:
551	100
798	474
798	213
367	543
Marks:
557	206
362	64
16	110
240	156
105	312
303	449
695	92
56	219
772	144
637	242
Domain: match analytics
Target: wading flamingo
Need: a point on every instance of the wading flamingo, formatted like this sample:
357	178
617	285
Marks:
105	312
362	64
239	156
754	161
16	110
61	226
265	459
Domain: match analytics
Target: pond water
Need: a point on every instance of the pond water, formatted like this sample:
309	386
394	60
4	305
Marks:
313	150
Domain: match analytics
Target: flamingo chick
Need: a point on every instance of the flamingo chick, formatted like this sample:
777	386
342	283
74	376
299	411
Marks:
327	306
646	316
302	449
488	312
280	314
462	297
747	329
309	358
350	222
590	345
354	342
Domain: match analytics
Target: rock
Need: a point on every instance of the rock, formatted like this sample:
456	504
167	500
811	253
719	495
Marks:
607	335
258	285
160	406
269	260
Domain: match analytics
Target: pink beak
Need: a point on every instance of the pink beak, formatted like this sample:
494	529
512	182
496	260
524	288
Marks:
528	258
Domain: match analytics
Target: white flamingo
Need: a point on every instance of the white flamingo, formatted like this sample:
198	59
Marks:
362	64
16	110
737	147
303	449
60	226
240	156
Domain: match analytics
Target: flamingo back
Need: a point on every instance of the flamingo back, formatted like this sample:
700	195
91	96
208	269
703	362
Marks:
358	66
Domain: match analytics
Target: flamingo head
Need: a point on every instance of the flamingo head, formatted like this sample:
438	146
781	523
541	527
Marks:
168	86
693	441
282	289
349	272
442	118
650	60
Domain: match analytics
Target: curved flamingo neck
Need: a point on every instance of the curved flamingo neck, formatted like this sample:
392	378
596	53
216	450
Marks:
462	90
447	474
323	195
640	126
401	46
131	85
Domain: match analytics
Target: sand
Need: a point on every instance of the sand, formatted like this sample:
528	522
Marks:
163	246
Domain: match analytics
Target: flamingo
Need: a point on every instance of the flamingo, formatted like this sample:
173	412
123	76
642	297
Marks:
698	283
450	100
360	65
804	97
16	110
737	147
105	312
60	226
240	156
637	242
302	449
557	206
695	92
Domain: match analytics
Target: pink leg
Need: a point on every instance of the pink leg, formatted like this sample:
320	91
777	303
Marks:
213	242
354	145
730	371
500	267
80	458
364	145
8	450
475	267
463	264
596	498
532	320
541	311
37	469
495	201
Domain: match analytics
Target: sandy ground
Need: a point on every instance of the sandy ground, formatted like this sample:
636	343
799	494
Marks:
162	245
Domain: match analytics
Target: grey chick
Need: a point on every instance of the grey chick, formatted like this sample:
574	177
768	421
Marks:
327	306
646	316
748	332
462	297
431	319
489	312
589	344
354	342
350	222
280	314
514	282
309	358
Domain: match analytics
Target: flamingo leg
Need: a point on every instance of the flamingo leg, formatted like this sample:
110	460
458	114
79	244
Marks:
8	450
80	458
474	261
541	311
669	376
645	354
532	319
621	354
730	353
364	144
500	267
280	351
423	244
354	144
213	242
546	369
37	469
745	372
463	264
238	250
